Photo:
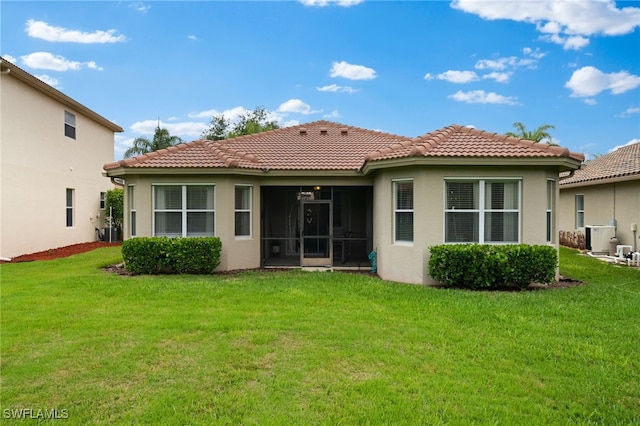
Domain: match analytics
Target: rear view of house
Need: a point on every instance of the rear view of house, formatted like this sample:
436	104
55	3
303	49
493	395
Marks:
52	150
326	194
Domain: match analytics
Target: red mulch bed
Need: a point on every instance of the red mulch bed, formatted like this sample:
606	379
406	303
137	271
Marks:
59	252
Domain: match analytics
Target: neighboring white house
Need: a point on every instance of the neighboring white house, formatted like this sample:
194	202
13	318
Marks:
604	193
52	150
326	194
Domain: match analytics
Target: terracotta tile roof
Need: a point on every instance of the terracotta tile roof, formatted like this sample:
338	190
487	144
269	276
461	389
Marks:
324	145
320	145
459	141
622	162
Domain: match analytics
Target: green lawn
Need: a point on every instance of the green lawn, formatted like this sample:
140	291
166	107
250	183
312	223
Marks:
315	348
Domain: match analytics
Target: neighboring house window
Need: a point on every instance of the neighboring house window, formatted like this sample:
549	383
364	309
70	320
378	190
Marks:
551	194
184	210
403	210
482	211
243	211
103	197
69	125
580	211
69	209
132	210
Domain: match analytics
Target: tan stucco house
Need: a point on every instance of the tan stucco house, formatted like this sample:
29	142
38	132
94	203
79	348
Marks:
52	150
605	194
326	194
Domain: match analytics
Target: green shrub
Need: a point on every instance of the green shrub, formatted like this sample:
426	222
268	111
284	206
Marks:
491	266
155	255
195	255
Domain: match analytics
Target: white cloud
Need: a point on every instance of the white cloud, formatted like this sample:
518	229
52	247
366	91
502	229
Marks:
94	66
231	115
482	97
9	58
139	6
501	69
192	37
630	111
631	142
560	21
455	76
53	82
499	77
333	114
296	106
496	64
49	61
352	72
186	129
590	81
336	88
44	31
324	3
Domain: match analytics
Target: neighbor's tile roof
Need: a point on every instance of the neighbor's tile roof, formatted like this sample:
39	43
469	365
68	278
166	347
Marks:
622	162
324	145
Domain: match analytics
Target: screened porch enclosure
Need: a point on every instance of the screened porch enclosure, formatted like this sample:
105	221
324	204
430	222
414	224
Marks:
316	226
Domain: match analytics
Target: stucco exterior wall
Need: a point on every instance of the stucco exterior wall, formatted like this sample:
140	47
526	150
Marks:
397	261
604	203
237	252
408	262
38	163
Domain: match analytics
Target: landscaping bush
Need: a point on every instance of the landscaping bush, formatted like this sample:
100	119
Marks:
492	266
155	255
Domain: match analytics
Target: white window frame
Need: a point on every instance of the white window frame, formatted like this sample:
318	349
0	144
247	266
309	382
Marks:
70	195
70	123
396	210
183	210
132	210
103	200
482	208
551	204
246	210
579	212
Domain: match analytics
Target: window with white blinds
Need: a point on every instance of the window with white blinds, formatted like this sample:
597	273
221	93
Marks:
551	194
580	211
403	210
482	211
243	211
184	210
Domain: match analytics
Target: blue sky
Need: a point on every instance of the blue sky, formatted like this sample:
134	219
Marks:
407	68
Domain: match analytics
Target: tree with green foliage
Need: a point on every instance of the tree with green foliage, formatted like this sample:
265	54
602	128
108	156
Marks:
538	135
114	207
161	139
249	122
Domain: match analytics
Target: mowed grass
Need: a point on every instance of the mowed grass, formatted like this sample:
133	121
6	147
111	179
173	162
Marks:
316	348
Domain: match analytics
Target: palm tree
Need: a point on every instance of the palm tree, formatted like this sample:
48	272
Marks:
538	135
161	139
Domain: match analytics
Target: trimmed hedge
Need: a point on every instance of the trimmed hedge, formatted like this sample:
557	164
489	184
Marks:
163	255
492	266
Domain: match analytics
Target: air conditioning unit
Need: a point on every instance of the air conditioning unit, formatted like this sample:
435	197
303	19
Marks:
597	237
